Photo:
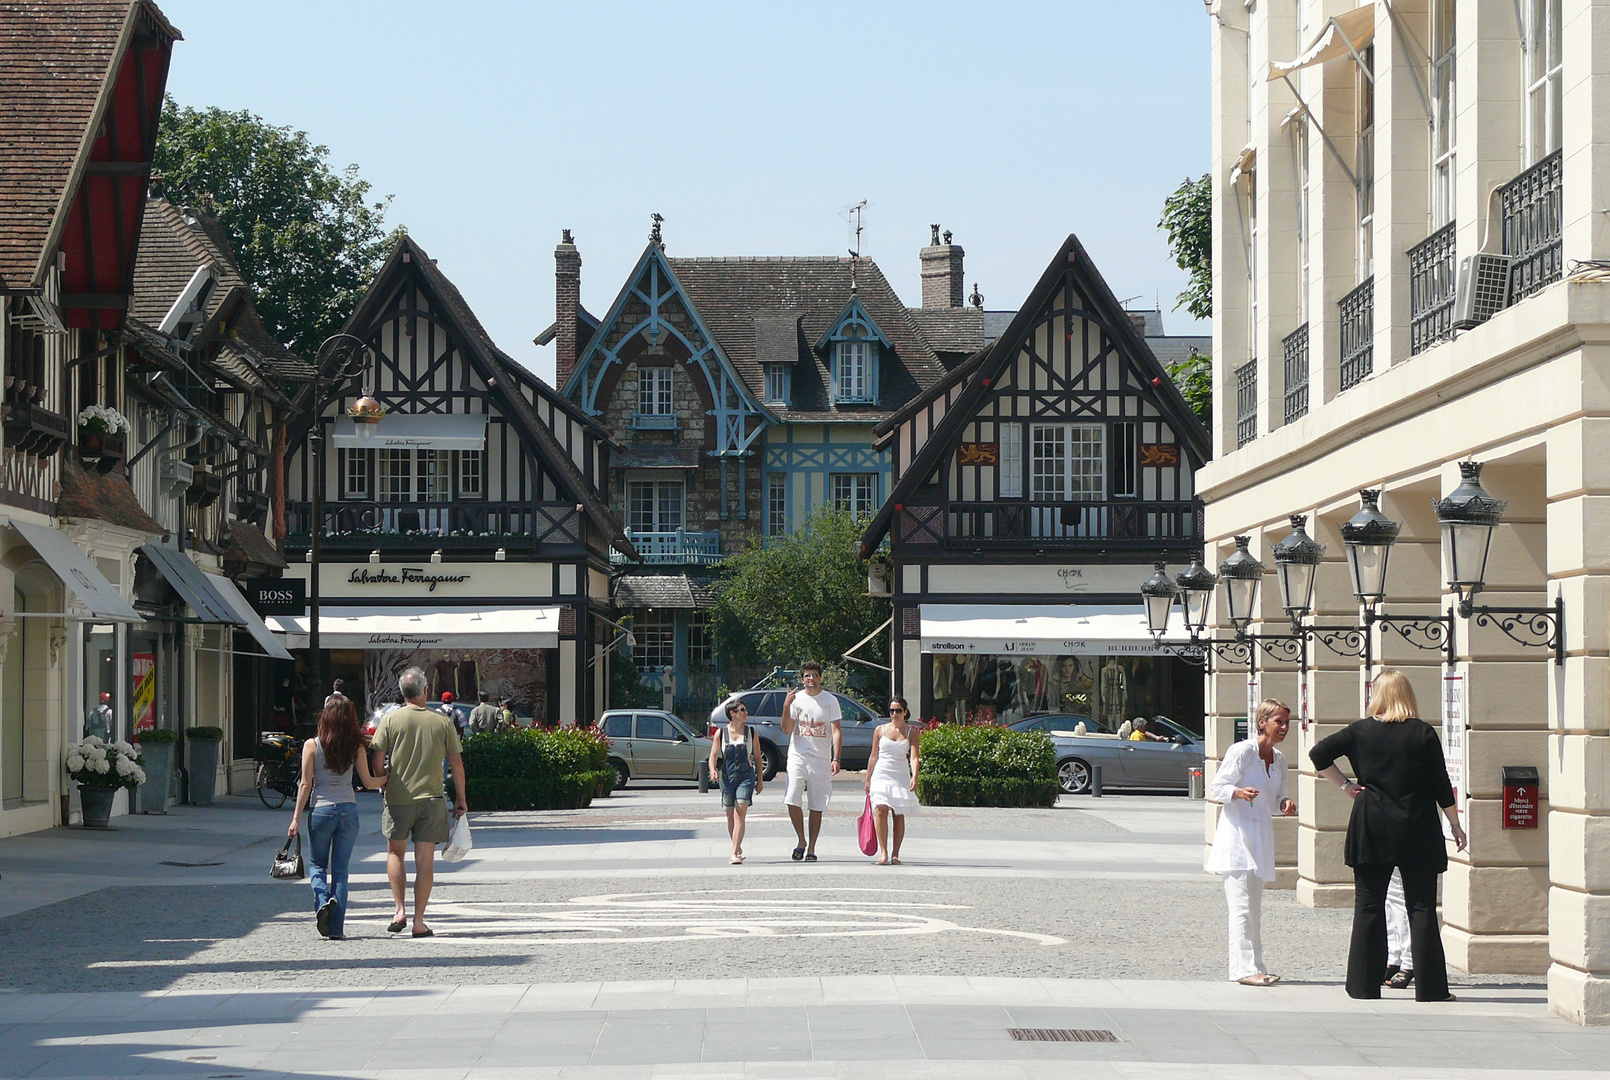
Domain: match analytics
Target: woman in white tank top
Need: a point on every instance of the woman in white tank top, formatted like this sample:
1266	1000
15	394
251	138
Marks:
326	794
891	779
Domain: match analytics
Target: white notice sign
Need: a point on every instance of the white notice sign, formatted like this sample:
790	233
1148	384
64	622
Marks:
1455	746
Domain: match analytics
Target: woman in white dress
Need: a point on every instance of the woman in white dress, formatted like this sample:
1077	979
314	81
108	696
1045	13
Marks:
1250	785
891	779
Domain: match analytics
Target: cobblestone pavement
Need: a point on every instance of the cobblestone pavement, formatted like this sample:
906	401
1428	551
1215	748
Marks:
618	942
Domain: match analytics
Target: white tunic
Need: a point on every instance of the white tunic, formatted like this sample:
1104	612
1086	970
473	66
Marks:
1245	839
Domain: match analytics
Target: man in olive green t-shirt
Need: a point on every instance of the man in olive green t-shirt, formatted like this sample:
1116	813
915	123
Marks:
417	741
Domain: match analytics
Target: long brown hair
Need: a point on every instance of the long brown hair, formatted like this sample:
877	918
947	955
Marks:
338	733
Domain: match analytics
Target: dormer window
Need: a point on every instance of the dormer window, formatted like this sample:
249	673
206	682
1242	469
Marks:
779	383
852	349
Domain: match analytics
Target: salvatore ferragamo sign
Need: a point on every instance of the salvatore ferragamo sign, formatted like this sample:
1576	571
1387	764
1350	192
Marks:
407	575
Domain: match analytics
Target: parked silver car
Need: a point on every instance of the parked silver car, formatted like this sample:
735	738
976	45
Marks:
1125	763
648	744
766	717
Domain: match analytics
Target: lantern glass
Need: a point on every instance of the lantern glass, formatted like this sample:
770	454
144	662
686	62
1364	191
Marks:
1296	587
1195	602
1158	594
1366	565
1465	545
1241	599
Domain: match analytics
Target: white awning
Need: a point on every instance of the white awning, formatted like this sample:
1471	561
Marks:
254	622
1354	28
77	573
445	628
1038	630
414	431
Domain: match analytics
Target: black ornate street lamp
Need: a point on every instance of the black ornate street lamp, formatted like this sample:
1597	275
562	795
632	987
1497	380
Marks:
1241	574
1296	565
1368	537
1157	594
1196	583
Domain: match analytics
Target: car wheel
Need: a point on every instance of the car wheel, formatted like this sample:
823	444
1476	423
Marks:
1074	777
622	774
769	763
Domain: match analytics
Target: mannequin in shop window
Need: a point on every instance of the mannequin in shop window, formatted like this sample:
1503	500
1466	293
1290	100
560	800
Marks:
1031	686
1114	689
996	689
100	722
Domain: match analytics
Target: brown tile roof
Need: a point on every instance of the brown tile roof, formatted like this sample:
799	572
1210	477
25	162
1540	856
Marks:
730	293
55	60
248	546
107	498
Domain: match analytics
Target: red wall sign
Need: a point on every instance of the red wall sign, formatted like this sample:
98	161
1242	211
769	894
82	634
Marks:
1520	797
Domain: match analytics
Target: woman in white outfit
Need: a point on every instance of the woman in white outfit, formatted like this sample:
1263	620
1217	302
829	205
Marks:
1399	957
891	779
1250	785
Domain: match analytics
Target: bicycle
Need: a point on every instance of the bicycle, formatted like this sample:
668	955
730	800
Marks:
279	768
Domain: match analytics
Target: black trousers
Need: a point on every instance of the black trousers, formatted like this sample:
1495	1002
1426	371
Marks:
1366	960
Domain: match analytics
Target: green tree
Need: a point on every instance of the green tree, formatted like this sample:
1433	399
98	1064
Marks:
306	236
1194	377
801	597
1188	220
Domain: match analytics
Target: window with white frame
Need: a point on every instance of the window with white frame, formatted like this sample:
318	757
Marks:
1009	482
472	473
654	629
654	506
654	391
1543	68
779	380
776	504
1364	163
856	492
852	370
355	473
1443	108
1067	462
414	475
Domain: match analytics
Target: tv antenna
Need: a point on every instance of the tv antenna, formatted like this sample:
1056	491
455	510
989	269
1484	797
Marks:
855	227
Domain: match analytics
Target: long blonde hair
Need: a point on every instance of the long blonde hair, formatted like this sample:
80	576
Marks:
1392	698
1266	708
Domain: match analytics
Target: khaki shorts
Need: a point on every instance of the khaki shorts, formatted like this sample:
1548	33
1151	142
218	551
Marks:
424	822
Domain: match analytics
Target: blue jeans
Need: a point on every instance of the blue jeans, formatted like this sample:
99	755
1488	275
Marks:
332	832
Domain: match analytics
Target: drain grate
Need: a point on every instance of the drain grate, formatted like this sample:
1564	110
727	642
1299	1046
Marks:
1091	1035
188	865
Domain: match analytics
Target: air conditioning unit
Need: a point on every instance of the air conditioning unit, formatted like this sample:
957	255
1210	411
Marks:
1483	289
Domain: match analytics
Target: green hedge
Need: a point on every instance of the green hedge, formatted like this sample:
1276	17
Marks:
984	765
205	734
153	736
532	769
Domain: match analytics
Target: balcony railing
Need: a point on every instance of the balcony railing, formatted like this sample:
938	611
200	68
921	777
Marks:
1531	205
1433	277
676	547
1296	350
426	526
1246	403
1358	334
1112	523
654	421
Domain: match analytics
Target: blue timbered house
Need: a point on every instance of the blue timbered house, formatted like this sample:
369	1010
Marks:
745	393
1033	489
464	530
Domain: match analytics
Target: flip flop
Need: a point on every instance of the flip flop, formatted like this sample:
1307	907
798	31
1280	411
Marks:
424	933
894	859
398	926
735	860
810	858
799	853
1400	980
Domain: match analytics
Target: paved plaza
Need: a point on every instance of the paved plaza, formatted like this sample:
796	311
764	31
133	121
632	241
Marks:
618	942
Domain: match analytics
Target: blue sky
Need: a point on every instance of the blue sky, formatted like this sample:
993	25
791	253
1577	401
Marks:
751	126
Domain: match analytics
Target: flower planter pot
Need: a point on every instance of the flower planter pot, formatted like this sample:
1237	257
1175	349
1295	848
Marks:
97	804
101	450
153	794
204	770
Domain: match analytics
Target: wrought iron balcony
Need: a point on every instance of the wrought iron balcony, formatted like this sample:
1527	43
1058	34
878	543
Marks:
1112	524
1295	348
1433	278
676	547
643	421
365	525
1246	403
1531	205
1358	334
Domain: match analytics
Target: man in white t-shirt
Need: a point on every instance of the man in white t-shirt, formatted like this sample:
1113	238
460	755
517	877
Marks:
811	721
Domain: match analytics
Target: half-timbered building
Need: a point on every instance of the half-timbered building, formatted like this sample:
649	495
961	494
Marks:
1033	489
80	95
465	531
744	392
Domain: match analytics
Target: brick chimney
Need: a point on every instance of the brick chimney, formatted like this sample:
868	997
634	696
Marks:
567	302
942	272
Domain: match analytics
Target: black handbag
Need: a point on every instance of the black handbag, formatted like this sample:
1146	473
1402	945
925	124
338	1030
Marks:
288	864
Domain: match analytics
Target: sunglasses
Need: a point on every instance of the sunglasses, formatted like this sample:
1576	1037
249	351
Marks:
897	712
738	708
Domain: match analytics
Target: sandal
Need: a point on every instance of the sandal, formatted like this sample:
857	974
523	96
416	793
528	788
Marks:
880	862
397	927
1391	970
811	857
736	859
1400	980
1260	979
799	853
895	859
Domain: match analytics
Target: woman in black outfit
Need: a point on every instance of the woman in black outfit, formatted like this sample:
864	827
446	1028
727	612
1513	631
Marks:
1402	781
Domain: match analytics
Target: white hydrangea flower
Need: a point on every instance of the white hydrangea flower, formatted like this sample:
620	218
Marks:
102	766
93	740
139	775
75	761
123	747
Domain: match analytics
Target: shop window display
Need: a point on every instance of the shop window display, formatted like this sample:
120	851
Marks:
1103	690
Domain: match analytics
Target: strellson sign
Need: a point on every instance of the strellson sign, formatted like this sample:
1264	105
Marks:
277	596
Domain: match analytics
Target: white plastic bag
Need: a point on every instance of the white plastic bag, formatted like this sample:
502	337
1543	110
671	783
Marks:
460	844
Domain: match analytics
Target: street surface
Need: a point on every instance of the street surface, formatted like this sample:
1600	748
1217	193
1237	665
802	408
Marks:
618	942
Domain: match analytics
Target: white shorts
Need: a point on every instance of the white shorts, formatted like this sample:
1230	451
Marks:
810	782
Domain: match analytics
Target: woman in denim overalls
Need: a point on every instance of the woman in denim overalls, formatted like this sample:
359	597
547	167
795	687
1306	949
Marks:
734	755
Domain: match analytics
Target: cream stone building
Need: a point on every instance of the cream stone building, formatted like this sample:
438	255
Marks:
1411	202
